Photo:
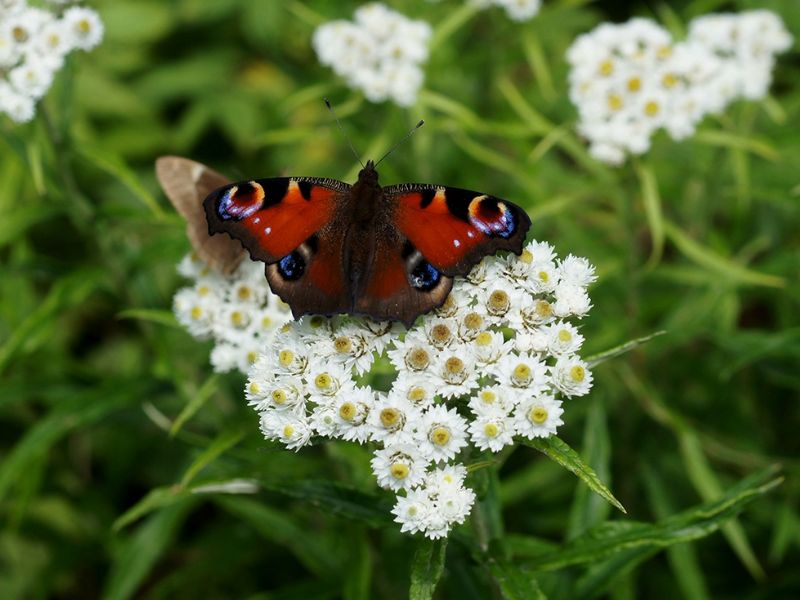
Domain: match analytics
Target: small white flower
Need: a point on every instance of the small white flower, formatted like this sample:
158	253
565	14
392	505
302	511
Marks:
456	371
492	431
291	430
399	467
85	27
442	433
413	510
571	376
492	400
563	338
393	420
538	417
352	410
522	371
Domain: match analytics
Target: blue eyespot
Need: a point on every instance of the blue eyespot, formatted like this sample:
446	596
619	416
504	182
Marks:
425	277
292	266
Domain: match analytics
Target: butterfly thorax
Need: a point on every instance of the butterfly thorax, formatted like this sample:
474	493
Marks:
364	196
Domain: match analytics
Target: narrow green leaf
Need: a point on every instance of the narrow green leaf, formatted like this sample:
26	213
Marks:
155	499
280	528
139	553
651	200
727	139
117	168
558	450
539	64
617	536
515	582
726	268
601	357
224	441
708	486
455	20
359	567
335	499
153	315
426	568
603	576
195	403
588	509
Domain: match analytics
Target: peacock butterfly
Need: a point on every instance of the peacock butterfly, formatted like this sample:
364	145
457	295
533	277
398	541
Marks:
386	252
389	253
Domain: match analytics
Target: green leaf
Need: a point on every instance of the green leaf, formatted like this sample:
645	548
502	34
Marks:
426	568
223	442
515	582
117	168
588	510
651	200
279	527
601	357
335	499
695	523
726	268
558	451
726	139
195	403
138	554
155	499
153	315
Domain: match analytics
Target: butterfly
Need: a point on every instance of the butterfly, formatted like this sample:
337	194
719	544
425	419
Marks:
389	253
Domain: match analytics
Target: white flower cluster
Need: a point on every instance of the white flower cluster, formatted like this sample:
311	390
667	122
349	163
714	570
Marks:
491	365
517	10
381	53
632	79
33	44
238	312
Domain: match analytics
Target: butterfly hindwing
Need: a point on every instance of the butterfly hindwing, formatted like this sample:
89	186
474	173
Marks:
288	223
186	183
454	229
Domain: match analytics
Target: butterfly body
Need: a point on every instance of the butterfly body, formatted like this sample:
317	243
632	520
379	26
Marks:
386	252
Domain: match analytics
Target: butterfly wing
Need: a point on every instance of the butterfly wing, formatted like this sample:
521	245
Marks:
454	229
186	183
434	234
288	223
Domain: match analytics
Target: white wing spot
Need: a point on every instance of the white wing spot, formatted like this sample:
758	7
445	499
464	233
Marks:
267	230
456	243
470	234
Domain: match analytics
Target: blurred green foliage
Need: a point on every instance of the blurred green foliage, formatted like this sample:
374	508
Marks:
120	451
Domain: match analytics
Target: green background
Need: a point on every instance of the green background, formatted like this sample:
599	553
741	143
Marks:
110	416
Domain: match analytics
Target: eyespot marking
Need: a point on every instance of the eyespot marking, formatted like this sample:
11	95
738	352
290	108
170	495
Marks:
425	276
240	201
492	217
292	266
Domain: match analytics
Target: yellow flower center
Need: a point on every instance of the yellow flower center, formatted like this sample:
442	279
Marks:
473	321
522	373
203	290
440	334
348	411
564	335
488	396
254	387
418	359
544	276
342	344
244	293
526	257
252	357
491	430
416	394
196	313
652	108
84	26
615	103
399	471
454	366
285	357
266	322
20	34
279	397
606	68
439	435
538	415
669	80
634	84
543	308
664	52
449	305
499	302
391	418
238	319
578	373
484	338
323	381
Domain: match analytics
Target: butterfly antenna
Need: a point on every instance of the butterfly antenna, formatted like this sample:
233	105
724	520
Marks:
408	135
344	134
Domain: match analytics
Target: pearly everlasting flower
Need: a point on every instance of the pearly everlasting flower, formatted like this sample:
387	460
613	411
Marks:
488	368
33	44
630	80
380	53
238	312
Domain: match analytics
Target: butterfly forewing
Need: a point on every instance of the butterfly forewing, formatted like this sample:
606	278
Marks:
452	228
287	222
